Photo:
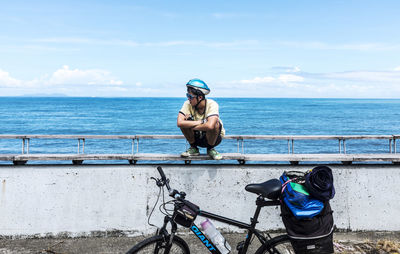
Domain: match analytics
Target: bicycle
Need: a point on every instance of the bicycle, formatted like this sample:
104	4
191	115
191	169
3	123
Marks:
185	212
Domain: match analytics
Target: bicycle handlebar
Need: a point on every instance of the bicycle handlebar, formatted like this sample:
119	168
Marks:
160	170
176	194
165	181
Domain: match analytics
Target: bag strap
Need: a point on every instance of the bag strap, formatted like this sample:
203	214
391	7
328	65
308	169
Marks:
285	184
296	176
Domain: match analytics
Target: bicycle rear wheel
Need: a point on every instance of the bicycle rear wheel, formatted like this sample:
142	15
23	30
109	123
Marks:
277	245
157	244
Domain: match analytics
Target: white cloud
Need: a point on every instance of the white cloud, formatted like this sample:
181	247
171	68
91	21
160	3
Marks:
397	68
66	76
289	69
257	80
130	43
347	46
116	82
366	76
65	40
280	82
7	81
287	78
64	80
294	69
260	86
283	78
351	84
197	43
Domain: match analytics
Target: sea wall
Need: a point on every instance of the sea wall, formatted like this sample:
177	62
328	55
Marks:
80	200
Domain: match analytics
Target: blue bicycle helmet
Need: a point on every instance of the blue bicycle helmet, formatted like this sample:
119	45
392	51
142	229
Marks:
198	84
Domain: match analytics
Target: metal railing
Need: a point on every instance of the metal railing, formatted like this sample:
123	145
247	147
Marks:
239	138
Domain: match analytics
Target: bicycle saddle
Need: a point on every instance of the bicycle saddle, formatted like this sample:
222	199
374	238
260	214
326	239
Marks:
270	189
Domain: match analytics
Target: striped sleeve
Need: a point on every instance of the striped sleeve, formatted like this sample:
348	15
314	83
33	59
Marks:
212	108
185	110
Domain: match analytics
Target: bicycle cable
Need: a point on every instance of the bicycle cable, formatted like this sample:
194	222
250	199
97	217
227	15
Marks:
163	209
160	208
152	210
166	210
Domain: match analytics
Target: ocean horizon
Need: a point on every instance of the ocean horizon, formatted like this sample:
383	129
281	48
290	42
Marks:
57	95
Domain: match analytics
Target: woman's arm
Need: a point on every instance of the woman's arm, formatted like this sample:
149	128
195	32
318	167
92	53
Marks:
182	121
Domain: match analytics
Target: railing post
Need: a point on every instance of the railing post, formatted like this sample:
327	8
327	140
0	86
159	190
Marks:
240	140
133	146
288	145
25	142
79	145
344	146
390	145
292	146
137	146
340	146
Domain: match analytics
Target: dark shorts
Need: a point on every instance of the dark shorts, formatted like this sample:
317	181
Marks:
201	138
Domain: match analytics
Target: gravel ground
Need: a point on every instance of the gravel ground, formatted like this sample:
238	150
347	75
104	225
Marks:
371	242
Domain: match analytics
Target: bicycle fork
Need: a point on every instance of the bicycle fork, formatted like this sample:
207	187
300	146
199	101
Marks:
168	238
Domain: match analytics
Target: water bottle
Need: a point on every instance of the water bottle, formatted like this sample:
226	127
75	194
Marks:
215	236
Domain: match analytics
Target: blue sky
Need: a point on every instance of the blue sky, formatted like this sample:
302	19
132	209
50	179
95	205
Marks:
317	49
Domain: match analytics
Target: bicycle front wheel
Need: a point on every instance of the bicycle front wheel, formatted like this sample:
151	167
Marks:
277	245
158	245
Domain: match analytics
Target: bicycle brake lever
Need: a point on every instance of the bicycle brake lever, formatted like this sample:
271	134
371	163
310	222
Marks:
159	182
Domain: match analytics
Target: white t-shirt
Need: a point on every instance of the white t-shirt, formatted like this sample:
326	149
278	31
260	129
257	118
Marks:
212	109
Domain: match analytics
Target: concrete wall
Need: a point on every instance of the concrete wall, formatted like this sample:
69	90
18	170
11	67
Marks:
42	200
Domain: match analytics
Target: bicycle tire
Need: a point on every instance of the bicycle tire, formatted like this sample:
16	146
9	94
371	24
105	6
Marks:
149	245
277	245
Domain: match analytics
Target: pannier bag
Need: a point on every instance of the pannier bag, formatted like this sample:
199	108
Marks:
307	215
296	196
309	236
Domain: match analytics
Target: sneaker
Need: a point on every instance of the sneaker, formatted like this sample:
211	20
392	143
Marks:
192	151
214	154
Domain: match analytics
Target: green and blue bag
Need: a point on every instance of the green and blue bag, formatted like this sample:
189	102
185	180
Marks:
296	196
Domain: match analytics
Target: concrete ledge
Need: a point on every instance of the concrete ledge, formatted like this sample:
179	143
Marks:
42	200
382	157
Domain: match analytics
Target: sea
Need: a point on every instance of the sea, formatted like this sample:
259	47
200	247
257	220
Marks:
155	116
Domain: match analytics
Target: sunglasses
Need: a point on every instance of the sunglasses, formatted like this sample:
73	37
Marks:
189	96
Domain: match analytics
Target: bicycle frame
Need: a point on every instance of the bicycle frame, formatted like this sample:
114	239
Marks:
180	196
260	202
